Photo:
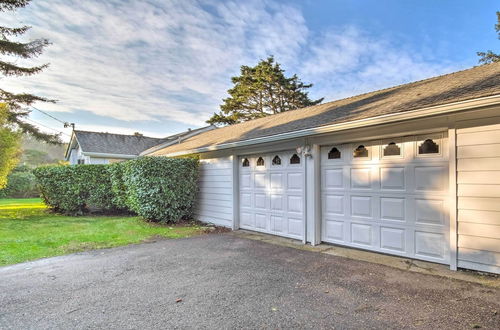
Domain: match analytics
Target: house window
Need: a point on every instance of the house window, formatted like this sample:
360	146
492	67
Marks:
260	161
360	152
392	149
276	160
428	147
334	153
81	161
245	163
295	159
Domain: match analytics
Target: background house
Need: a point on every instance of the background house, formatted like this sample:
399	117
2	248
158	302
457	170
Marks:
104	148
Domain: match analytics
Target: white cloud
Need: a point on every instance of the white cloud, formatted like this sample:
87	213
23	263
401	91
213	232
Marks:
348	61
172	60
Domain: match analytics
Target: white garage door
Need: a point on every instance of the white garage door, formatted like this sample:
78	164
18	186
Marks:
271	193
388	196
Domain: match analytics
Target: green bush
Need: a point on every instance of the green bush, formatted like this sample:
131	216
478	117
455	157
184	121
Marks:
157	188
118	186
161	189
20	184
76	189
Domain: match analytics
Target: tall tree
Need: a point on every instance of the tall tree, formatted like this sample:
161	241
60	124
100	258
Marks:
10	142
18	103
489	56
260	91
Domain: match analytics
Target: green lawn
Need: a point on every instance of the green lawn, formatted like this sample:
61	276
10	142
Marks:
29	231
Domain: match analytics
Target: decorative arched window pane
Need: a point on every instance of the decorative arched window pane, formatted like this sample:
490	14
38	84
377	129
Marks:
245	163
260	161
392	149
276	160
295	159
360	151
428	147
334	153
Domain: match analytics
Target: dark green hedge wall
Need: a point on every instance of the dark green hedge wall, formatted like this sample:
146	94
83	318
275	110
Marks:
161	189
156	188
76	189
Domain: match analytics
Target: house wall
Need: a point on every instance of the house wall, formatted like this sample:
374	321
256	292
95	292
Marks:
478	183
215	197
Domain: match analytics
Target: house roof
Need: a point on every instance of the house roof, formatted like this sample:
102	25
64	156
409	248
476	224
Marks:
120	144
477	82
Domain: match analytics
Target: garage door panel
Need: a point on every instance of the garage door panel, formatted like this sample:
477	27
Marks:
261	220
429	211
361	178
393	202
277	203
333	178
260	180
277	181
246	219
361	234
361	206
393	239
294	204
335	230
295	226
431	178
295	181
393	209
278	224
334	204
428	244
392	178
245	199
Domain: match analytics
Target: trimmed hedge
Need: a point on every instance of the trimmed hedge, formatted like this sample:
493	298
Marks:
156	188
161	189
118	187
76	189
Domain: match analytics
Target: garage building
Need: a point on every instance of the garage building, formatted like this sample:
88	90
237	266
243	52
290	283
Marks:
412	170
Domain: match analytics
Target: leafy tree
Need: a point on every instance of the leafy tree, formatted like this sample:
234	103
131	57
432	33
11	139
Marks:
10	141
18	103
260	91
489	56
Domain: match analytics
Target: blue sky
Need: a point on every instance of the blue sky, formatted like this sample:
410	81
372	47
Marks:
160	67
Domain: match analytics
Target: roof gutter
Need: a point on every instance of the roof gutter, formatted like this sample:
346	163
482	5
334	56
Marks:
106	155
384	119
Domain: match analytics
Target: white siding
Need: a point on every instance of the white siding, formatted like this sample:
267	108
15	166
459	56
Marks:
215	198
478	190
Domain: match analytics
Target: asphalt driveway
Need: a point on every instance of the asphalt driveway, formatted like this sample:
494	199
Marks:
223	281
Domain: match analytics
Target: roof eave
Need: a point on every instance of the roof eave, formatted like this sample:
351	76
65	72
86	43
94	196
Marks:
108	155
401	116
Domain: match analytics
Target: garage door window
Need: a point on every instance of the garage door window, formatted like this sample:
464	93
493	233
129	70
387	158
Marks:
360	152
295	159
260	161
428	147
334	153
392	149
276	160
245	163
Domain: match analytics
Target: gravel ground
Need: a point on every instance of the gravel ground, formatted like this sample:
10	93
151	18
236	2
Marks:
223	281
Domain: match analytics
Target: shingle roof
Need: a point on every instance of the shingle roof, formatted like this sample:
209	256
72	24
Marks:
464	85
115	143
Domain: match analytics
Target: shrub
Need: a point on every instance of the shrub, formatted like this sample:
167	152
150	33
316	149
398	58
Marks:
76	189
161	189
156	188
118	186
20	184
